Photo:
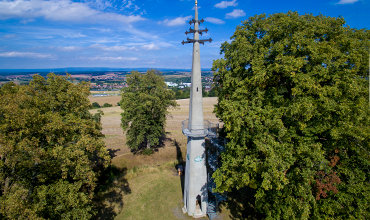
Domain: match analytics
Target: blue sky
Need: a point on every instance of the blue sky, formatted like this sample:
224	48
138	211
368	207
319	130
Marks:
37	34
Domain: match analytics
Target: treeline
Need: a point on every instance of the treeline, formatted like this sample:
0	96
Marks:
185	93
105	105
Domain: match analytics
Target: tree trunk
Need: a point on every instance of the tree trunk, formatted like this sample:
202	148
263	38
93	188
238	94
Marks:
147	143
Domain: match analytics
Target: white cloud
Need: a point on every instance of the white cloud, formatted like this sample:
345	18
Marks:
60	10
111	59
153	61
73	35
99	4
137	33
176	21
136	8
216	44
26	54
67	48
128	4
9	36
101	29
151	47
164	44
43	37
103	40
235	13
134	46
143	12
112	48
225	4
214	20
342	2
25	21
112	4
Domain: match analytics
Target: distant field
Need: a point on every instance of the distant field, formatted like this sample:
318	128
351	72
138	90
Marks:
81	75
105	99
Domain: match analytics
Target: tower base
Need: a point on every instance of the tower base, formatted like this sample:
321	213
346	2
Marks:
195	190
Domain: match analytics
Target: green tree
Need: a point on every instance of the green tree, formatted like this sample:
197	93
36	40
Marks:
293	97
213	93
145	102
96	105
51	150
205	94
106	105
178	94
185	93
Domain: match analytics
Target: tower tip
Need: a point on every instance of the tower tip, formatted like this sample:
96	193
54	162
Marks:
196	2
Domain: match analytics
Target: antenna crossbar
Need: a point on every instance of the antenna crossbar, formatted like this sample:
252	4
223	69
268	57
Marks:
194	31
193	41
192	21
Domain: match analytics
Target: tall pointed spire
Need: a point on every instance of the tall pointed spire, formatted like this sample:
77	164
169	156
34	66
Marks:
196	30
195	190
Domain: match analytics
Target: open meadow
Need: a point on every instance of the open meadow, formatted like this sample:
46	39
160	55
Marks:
115	139
148	187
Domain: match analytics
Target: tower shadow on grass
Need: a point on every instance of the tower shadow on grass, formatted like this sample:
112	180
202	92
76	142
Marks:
111	186
180	161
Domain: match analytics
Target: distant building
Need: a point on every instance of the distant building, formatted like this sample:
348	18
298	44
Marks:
171	84
186	84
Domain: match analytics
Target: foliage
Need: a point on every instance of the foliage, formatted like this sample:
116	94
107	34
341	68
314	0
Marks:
106	105
51	150
147	151
178	93
294	99
181	93
145	102
96	105
213	92
205	94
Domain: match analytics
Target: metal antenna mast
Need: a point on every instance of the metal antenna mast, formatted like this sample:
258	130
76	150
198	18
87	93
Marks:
195	190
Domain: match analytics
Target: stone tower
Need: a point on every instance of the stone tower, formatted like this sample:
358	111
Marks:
195	190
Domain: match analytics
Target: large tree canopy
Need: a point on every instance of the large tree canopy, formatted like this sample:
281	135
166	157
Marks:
51	148
145	102
294	99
